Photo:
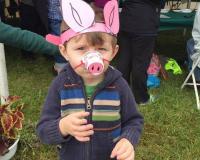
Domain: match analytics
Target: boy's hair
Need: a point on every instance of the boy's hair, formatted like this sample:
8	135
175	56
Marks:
93	38
96	38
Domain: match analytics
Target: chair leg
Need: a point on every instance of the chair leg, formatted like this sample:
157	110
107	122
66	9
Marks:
194	82
196	90
192	70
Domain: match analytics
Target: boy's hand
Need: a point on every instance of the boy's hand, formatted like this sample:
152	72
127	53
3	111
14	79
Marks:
76	125
123	150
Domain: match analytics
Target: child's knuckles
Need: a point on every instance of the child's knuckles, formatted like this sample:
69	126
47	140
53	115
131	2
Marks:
89	126
85	127
88	133
84	121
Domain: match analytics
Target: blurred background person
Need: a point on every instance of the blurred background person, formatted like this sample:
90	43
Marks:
30	20
139	23
193	45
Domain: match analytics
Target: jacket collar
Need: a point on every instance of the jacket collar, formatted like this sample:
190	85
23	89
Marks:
111	75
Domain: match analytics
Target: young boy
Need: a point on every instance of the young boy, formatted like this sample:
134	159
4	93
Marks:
90	110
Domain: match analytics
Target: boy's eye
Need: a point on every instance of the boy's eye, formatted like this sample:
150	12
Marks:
102	49
80	48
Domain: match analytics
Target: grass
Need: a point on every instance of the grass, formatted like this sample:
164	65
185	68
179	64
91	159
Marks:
171	130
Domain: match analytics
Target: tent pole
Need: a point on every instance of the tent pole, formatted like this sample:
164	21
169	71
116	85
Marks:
4	93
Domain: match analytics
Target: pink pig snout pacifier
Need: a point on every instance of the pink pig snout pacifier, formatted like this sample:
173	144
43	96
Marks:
93	62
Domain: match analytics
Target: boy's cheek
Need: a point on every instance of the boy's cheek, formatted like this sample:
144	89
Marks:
106	66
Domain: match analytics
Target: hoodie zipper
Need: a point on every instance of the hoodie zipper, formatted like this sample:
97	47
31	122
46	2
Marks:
89	109
89	118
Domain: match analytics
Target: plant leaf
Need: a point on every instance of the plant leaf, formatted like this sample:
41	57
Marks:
6	122
13	98
3	108
20	115
18	124
12	134
20	107
15	118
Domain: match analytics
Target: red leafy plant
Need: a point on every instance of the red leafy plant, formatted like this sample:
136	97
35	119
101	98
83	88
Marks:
11	118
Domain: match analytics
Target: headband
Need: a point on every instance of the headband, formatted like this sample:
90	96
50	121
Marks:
80	17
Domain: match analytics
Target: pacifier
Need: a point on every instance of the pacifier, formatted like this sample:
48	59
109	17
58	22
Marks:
93	62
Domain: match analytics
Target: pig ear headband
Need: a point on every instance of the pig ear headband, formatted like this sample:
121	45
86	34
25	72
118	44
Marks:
80	17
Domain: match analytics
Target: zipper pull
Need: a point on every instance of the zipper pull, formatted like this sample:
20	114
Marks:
88	103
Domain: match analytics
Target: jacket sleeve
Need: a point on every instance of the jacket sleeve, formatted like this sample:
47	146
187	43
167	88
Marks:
48	126
131	120
26	40
196	30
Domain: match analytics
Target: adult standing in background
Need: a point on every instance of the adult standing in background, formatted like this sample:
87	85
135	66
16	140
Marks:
29	20
54	22
41	7
193	44
139	23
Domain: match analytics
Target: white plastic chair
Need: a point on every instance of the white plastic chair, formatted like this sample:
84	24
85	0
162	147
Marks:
196	63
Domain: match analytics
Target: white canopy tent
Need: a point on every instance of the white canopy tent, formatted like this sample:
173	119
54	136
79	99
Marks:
3	75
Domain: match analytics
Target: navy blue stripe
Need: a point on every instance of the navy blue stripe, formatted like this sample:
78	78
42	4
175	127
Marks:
107	95
71	93
107	124
114	108
72	106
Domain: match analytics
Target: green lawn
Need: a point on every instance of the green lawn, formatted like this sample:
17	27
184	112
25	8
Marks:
171	130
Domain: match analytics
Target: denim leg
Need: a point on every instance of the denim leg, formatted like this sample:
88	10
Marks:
190	52
55	30
54	26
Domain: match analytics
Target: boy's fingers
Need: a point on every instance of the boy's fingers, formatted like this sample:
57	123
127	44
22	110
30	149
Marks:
82	139
121	150
131	157
83	128
84	134
114	151
81	114
123	155
80	121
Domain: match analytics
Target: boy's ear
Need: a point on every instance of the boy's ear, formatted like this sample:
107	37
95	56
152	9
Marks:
115	50
63	51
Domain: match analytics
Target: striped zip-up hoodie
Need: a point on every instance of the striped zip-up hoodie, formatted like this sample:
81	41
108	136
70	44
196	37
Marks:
113	115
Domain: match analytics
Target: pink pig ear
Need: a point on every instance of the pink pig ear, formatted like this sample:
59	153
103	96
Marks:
77	14
53	39
111	16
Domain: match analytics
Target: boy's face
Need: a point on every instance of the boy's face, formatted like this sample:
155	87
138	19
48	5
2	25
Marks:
77	48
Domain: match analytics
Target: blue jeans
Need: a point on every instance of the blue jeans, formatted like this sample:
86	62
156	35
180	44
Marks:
190	51
55	30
